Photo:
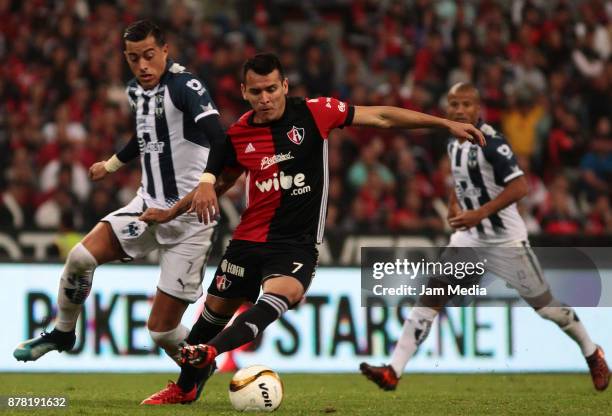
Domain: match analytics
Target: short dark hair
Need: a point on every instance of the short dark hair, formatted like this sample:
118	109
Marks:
263	64
141	29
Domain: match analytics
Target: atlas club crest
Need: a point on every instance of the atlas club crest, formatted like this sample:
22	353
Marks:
223	283
296	134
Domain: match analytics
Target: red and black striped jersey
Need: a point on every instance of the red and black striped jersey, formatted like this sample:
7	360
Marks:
287	170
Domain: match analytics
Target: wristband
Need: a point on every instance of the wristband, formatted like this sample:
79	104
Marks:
113	164
208	178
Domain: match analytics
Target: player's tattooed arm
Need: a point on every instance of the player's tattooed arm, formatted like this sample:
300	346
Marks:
387	117
515	190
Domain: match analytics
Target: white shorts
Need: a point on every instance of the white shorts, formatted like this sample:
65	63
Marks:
182	260
515	262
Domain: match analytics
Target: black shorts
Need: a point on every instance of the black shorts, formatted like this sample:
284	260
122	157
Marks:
247	264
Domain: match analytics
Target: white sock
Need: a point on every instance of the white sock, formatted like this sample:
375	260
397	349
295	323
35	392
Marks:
74	287
567	319
414	332
171	340
578	333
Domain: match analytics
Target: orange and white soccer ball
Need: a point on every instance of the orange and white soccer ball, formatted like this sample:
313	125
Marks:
256	388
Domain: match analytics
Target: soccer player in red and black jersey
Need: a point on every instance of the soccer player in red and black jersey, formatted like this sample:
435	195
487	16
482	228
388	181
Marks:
281	145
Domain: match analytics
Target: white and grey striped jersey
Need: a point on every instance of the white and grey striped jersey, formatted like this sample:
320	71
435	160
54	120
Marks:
480	175
173	151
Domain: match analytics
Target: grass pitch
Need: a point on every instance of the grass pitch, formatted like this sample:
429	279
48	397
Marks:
337	394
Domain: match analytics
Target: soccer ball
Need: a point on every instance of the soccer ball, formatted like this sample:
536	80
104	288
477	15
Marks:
256	388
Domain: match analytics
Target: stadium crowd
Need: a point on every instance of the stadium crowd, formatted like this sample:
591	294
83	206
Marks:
543	68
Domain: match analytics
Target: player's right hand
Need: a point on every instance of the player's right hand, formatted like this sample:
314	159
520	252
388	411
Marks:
156	216
466	131
97	171
205	203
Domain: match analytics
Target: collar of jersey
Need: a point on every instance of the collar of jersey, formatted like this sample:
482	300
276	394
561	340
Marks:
250	121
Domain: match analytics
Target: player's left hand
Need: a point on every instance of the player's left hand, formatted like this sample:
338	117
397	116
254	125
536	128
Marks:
466	131
466	219
156	216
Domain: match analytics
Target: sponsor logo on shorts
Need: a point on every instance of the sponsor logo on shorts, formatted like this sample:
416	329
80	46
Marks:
282	181
230	268
222	282
266	162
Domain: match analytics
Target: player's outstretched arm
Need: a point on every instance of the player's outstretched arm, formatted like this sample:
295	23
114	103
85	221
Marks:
513	192
387	117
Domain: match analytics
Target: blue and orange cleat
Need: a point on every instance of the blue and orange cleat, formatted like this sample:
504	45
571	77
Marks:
33	349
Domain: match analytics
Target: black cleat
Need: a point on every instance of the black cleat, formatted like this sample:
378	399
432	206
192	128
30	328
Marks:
203	375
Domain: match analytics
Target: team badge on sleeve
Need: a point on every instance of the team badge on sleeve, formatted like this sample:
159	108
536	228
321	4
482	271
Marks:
296	134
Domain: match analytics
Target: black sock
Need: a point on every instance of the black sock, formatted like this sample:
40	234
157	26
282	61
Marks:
246	326
208	325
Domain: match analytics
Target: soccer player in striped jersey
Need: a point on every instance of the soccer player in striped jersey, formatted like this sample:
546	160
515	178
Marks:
281	144
175	121
482	211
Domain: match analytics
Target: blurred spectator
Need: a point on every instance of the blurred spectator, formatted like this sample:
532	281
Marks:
376	199
100	203
587	61
413	215
538	194
368	162
520	123
49	213
66	172
563	140
15	206
599	219
596	164
560	213
492	95
527	73
465	71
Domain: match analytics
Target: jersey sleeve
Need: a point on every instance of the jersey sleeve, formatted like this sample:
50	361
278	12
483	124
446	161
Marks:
500	155
222	154
130	151
330	113
192	97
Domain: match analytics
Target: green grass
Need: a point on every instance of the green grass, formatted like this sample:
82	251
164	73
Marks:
337	394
